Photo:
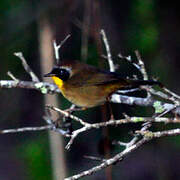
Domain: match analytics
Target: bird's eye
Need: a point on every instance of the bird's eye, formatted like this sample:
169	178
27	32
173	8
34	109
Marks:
61	73
64	74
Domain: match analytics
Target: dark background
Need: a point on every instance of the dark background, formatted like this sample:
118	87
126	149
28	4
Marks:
151	26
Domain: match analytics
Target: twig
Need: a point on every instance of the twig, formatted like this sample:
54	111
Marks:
159	93
129	59
57	47
126	144
145	127
74	135
5	131
141	65
66	114
148	101
12	76
26	66
171	93
50	126
127	91
158	134
110	61
94	158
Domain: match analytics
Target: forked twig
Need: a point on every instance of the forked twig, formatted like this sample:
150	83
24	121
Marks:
57	47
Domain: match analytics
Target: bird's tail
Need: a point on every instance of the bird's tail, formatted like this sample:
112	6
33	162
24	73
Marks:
138	83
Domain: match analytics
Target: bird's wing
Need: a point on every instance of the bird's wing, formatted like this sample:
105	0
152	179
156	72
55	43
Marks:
102	78
93	77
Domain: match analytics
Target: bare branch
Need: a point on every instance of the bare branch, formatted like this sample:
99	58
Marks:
88	126
158	134
74	135
94	158
7	131
26	66
149	101
110	61
43	87
121	155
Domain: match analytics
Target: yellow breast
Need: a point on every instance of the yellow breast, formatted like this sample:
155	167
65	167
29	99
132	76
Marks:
58	82
66	92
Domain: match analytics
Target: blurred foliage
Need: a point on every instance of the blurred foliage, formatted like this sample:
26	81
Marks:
143	26
35	155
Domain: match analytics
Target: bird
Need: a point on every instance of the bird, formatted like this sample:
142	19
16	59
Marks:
87	86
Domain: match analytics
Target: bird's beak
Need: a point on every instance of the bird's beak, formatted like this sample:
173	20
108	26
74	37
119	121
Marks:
49	74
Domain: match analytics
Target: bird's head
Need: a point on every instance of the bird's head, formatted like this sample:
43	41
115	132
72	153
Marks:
64	70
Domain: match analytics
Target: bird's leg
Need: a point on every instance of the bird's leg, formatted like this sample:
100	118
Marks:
67	124
110	108
64	123
57	122
67	121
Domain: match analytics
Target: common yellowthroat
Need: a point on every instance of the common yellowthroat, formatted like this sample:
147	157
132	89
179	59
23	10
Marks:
87	86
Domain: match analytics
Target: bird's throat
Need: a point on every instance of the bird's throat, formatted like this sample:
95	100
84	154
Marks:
58	82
